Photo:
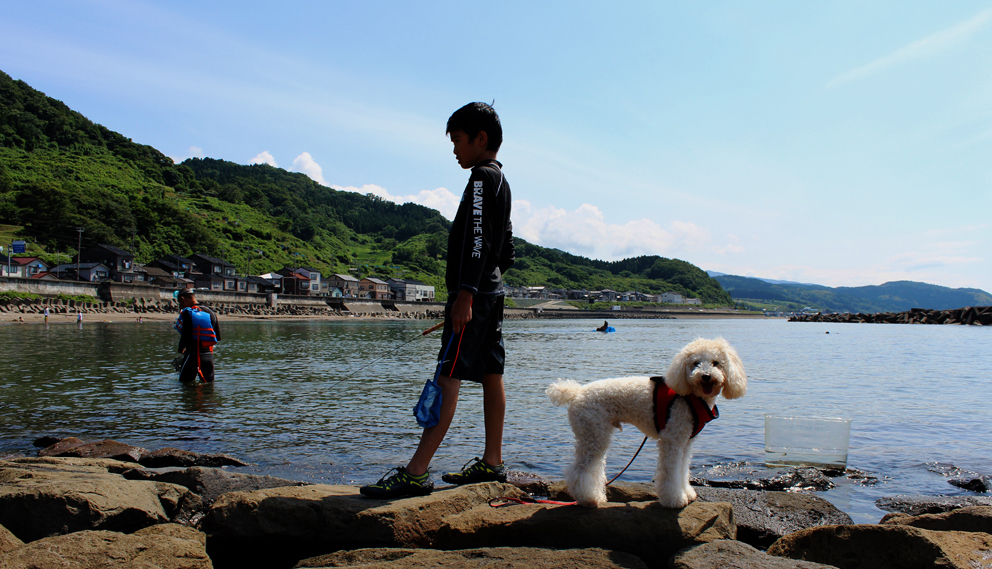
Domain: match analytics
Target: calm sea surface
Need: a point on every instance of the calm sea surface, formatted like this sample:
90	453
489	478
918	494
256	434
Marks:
297	400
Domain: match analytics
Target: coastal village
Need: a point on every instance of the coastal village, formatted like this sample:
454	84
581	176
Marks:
107	263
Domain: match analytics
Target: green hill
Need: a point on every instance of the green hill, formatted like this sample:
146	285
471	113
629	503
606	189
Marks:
895	296
59	171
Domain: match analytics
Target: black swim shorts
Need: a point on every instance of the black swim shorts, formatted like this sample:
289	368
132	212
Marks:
189	370
478	350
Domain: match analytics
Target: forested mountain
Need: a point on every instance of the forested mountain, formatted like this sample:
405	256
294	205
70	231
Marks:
61	173
897	296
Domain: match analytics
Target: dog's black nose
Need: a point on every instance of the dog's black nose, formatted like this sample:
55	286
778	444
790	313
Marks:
707	377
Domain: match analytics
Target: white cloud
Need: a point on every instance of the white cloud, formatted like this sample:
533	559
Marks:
305	164
440	199
265	157
732	246
585	232
926	47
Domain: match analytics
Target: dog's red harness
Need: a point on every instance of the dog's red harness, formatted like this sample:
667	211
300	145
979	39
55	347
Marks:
664	397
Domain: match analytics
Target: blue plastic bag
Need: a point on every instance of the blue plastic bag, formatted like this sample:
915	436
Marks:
428	408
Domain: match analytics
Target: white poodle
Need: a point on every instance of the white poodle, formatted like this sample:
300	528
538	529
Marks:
701	371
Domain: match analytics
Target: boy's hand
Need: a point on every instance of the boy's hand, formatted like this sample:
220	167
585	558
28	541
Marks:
461	311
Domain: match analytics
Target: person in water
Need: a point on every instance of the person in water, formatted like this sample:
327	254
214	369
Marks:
480	250
604	327
199	331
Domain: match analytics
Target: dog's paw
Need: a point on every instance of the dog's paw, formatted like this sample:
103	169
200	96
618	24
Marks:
676	501
592	503
690	493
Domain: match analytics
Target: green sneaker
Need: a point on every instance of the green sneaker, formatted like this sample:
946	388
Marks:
399	485
478	472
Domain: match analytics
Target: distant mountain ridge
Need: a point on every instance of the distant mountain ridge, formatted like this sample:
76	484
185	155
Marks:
895	296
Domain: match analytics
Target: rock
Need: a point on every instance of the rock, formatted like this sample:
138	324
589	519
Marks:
46	441
974	518
47	496
887	546
798	478
980	484
644	529
211	483
60	446
102	449
761	517
176	457
916	505
727	554
299	521
8	541
166	547
502	557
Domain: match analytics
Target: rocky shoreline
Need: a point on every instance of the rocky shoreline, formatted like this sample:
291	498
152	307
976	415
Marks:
83	509
971	315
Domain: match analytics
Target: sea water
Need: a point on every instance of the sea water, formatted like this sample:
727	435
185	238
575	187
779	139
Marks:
311	401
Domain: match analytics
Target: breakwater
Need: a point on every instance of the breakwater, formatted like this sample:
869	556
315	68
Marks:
971	315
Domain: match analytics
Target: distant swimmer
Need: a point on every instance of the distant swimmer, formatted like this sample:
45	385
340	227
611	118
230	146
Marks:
604	327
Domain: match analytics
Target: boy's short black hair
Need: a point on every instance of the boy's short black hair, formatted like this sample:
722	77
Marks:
474	118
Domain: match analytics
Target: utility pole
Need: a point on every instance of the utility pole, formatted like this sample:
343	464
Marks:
79	250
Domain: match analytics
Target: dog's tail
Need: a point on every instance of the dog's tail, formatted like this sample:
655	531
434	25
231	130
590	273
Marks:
563	391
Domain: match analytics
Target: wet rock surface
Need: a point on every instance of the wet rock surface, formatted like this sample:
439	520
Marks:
916	505
973	518
212	483
165	457
502	557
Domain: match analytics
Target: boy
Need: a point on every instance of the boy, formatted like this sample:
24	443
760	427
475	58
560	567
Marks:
480	250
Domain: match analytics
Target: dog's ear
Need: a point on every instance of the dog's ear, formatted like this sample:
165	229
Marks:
677	376
736	385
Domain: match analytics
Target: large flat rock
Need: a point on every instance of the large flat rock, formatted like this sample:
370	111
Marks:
644	529
886	546
340	517
916	505
40	497
501	557
167	546
761	516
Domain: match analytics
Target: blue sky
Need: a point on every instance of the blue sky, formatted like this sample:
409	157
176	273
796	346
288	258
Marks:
839	143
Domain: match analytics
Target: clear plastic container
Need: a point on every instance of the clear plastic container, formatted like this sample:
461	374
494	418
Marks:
806	441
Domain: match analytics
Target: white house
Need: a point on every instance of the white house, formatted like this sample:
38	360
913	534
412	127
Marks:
671	298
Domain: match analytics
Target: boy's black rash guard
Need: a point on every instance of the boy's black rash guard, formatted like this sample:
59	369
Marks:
480	245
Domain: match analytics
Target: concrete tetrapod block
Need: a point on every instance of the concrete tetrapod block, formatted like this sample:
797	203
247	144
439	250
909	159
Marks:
502	557
884	546
644	529
166	546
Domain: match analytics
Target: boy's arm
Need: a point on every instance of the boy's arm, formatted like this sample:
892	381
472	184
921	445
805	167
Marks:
461	311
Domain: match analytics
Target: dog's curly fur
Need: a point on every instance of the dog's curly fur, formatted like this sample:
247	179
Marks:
706	368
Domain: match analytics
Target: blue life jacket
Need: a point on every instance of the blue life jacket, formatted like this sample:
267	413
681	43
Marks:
203	329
